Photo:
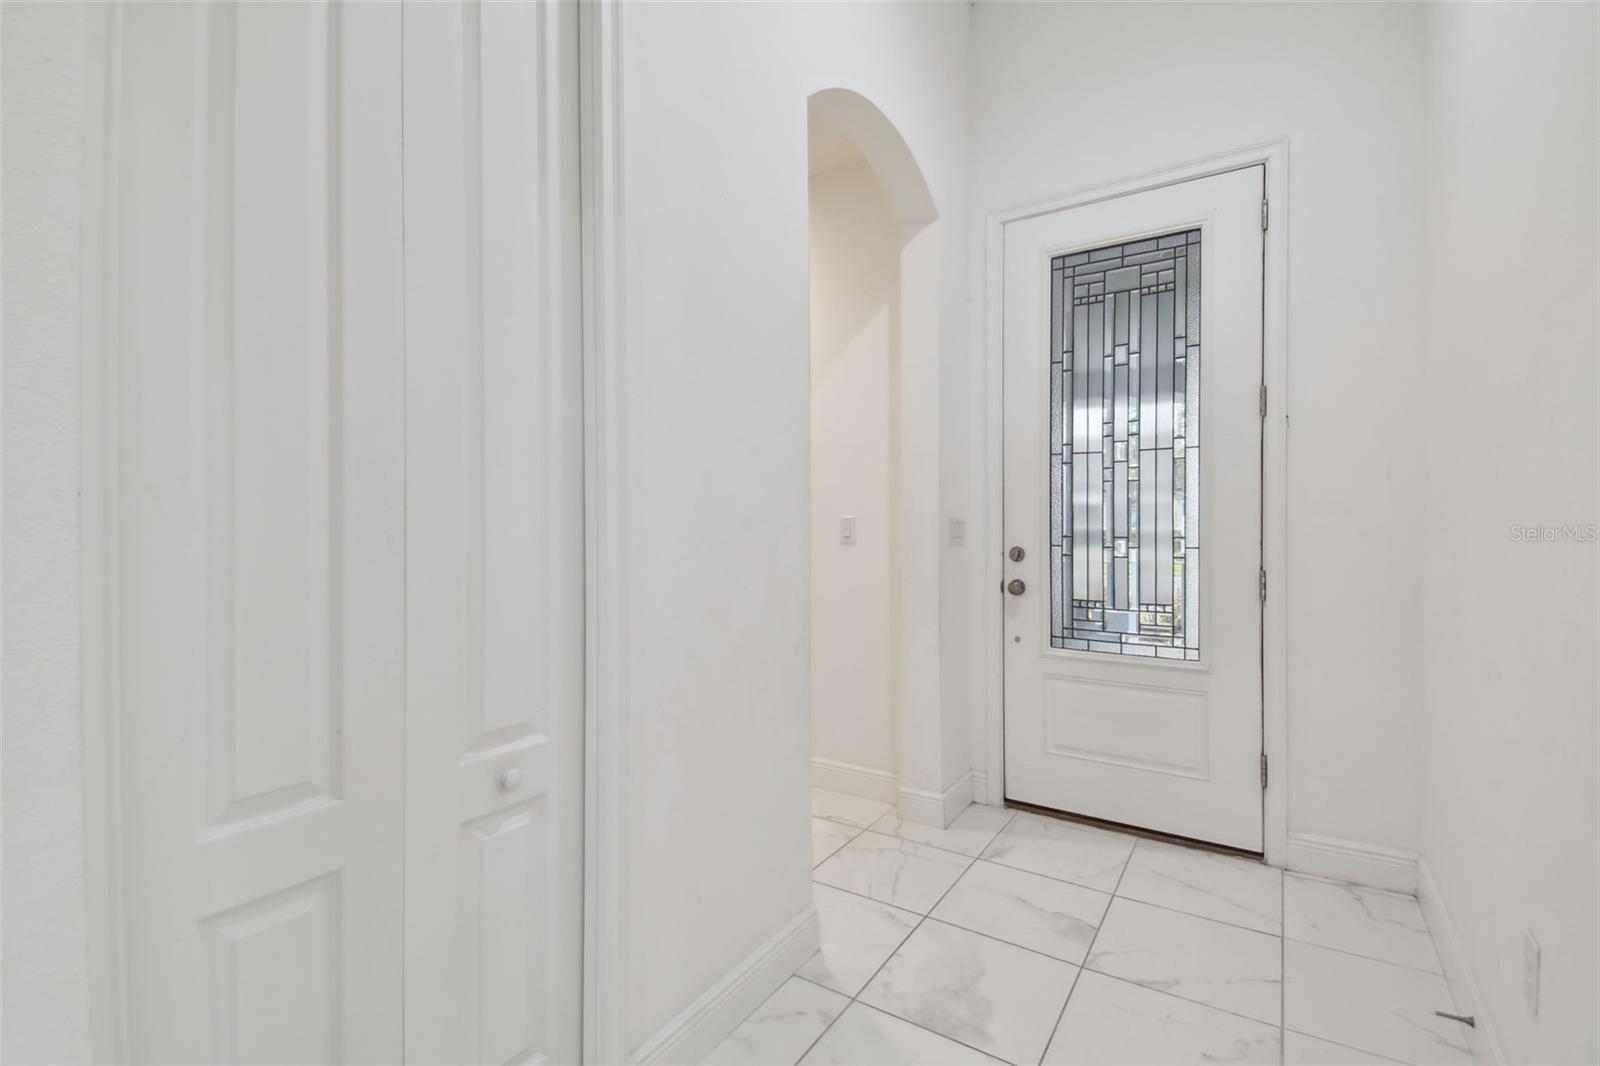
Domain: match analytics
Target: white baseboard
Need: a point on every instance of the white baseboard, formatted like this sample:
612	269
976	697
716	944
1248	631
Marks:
697	1029
853	780
936	808
1350	860
1457	974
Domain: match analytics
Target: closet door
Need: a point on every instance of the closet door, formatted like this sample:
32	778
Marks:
256	609
493	527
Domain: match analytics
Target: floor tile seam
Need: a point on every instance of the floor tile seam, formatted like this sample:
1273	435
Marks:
1203	917
935	847
1370	958
1052	877
892	953
1062	1013
1341	1043
842	846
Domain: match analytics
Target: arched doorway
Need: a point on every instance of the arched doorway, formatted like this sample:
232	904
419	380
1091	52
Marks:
877	731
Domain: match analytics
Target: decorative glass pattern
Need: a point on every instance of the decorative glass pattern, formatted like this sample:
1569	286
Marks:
1125	448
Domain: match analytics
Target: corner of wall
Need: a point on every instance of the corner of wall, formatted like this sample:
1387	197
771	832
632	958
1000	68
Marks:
1469	999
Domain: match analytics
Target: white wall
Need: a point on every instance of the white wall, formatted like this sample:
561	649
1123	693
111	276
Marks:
1509	402
1067	96
855	307
715	246
45	961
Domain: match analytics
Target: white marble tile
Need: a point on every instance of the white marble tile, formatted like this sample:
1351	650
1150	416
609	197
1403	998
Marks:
893	871
1031	910
1363	921
969	833
857	936
1237	891
1302	1050
866	1037
1195	958
841	807
828	837
1109	1021
1371	1005
780	1030
1065	850
1001	999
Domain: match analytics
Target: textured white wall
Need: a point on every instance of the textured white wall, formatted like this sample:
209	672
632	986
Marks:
45	960
1509	410
1068	96
715	204
855	306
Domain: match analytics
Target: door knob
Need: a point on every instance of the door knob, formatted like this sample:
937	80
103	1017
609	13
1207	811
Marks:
1016	587
510	780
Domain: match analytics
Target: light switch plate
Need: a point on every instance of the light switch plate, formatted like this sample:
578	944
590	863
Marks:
958	532
847	529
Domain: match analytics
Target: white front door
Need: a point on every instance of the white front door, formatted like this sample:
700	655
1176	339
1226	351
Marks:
1133	444
494	556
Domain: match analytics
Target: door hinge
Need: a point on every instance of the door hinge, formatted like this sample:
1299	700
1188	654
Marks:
1263	586
1263	215
1263	769
1263	401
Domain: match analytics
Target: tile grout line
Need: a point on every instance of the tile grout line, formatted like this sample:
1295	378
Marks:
971	861
1347	1047
838	849
1368	958
1035	951
1202	917
1087	952
1080	966
1116	893
1181	999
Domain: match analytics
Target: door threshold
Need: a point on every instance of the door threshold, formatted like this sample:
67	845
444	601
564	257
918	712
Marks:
1133	830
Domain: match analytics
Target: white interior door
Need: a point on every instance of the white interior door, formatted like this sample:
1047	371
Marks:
494	509
1133	509
256	440
345	441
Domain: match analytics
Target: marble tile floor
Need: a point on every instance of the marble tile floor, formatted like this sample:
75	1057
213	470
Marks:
1013	938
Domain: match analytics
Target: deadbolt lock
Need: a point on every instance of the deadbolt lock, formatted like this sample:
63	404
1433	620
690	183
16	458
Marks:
1016	553
1016	587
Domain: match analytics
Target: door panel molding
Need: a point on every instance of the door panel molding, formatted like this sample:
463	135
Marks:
494	684
1274	157
243	604
298	919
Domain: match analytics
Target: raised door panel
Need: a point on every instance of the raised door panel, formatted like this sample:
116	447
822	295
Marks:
258	357
494	556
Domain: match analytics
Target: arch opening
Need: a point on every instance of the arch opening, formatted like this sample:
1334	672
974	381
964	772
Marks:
874	277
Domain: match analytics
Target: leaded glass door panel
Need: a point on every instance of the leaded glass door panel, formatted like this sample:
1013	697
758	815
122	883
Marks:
1132	364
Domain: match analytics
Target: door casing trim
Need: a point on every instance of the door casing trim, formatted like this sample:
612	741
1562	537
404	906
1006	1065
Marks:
605	835
990	633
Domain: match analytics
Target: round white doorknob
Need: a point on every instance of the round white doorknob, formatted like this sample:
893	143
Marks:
510	779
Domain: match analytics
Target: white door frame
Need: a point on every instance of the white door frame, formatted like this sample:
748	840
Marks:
605	1027
604	906
1274	156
